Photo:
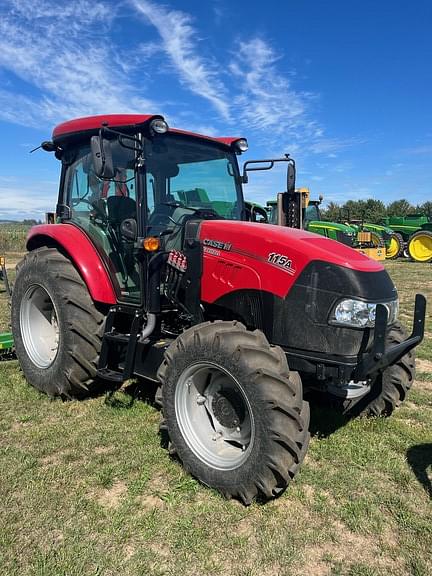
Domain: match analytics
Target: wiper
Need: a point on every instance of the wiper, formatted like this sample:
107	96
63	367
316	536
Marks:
179	205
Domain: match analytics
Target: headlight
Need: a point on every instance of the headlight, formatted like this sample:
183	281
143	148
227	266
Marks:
358	314
159	126
242	144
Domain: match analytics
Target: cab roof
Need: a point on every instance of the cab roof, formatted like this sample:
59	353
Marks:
92	124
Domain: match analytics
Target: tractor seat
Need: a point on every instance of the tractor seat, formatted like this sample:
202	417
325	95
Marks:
119	208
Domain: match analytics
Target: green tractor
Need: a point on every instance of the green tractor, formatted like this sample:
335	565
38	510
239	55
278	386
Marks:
369	243
380	235
256	213
313	223
415	231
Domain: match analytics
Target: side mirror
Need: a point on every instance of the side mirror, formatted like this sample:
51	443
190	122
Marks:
129	229
102	157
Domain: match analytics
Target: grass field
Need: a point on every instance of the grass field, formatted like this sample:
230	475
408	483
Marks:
13	237
86	489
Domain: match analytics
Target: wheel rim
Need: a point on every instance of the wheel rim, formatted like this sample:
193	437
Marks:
420	248
394	247
39	326
214	416
351	389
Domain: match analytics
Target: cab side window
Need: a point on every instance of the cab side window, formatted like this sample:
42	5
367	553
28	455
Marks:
100	207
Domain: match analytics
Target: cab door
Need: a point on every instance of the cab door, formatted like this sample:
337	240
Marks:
106	210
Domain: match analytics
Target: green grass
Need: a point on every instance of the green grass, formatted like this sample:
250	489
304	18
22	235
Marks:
86	489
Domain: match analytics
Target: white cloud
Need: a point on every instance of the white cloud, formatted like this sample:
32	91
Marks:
55	51
180	43
267	100
328	146
29	201
423	150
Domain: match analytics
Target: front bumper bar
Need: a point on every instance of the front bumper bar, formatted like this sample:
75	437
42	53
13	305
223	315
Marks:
380	357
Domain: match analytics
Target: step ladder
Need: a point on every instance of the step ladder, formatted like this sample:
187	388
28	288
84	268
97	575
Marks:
117	356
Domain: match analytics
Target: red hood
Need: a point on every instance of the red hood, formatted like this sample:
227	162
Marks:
247	255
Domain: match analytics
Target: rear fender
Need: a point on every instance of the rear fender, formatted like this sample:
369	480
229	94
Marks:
82	253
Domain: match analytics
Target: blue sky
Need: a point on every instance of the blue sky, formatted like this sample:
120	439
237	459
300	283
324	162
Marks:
344	86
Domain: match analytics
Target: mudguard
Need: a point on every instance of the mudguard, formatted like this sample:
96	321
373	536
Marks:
82	253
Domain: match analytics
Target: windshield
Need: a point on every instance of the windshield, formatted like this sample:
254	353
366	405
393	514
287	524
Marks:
272	216
312	213
193	175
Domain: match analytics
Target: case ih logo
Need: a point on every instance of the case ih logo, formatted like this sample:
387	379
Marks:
281	261
217	244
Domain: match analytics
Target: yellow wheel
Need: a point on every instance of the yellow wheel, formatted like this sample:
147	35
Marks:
420	246
395	247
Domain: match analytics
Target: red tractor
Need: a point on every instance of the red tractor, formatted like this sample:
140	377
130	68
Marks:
152	270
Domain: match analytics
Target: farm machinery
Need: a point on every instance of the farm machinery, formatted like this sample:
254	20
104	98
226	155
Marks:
6	339
377	236
310	219
153	271
351	234
415	234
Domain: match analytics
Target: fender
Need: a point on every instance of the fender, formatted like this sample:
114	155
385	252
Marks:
82	253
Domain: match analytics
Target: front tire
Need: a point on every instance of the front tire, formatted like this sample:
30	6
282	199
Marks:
235	415
56	326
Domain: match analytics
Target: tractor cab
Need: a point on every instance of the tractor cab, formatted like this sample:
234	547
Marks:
134	186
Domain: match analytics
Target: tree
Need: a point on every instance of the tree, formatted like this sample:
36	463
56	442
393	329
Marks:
425	208
400	208
331	213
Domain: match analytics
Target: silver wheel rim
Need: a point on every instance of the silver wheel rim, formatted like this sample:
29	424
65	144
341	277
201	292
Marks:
39	326
214	416
351	389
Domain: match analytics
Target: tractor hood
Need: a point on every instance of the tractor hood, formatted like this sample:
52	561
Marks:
246	255
351	230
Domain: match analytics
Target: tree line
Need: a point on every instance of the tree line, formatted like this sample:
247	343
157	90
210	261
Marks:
372	210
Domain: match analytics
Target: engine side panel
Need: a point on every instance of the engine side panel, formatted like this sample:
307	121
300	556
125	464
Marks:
246	255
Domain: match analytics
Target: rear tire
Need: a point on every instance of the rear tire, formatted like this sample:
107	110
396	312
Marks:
420	246
376	240
56	326
390	388
234	414
396	246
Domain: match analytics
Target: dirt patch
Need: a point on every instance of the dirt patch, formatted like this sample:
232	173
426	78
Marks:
110	497
17	426
50	460
348	548
421	385
161	550
149	502
128	551
423	365
103	450
55	458
158	484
